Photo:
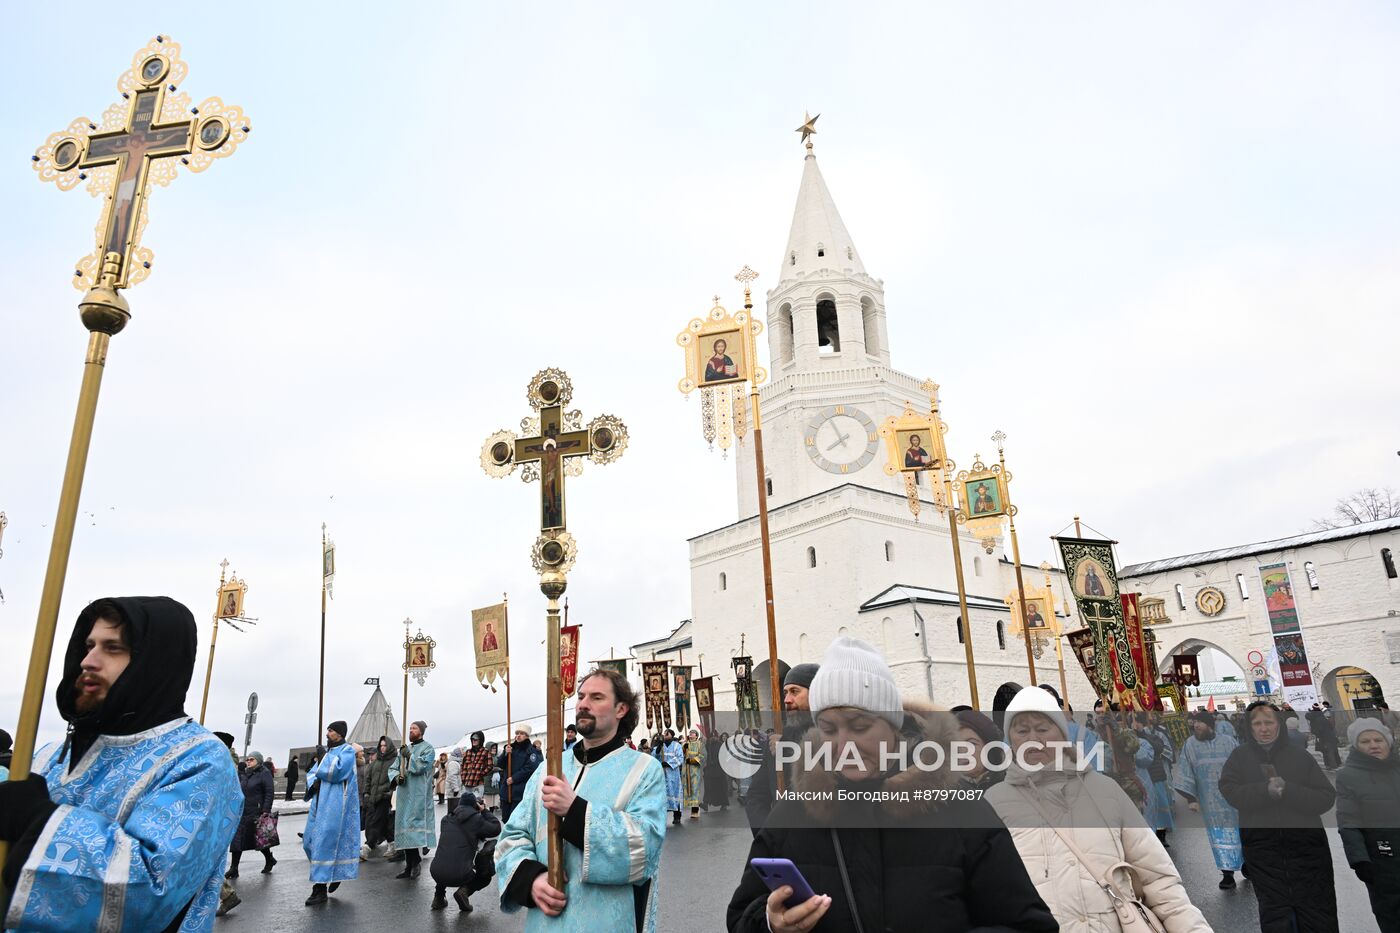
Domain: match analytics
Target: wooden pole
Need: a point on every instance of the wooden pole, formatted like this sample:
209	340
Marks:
951	506
321	690
1016	559
213	640
510	733
554	711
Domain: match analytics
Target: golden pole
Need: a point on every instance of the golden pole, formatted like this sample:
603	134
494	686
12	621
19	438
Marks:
213	640
552	584
937	432
510	734
321	694
104	313
1059	653
1016	558
404	745
765	545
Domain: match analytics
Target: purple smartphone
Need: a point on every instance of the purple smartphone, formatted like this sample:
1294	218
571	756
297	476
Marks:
776	872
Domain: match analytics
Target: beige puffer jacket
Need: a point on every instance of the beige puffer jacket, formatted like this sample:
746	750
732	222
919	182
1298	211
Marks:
1107	829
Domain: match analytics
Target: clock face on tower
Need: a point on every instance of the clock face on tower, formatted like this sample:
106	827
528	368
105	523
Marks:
841	439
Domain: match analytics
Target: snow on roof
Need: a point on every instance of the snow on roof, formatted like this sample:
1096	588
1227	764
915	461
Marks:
1262	547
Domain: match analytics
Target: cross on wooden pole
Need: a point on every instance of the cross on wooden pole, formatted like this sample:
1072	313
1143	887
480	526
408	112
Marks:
556	441
124	155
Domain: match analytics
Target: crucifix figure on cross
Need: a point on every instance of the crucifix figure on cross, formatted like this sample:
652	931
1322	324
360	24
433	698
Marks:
556	441
135	146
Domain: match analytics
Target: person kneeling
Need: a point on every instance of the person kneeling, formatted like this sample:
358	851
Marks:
465	852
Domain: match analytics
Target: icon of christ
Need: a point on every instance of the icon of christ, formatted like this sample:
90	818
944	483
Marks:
915	457
720	366
551	496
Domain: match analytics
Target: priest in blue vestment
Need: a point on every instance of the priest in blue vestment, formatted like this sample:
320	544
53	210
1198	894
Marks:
1203	755
672	760
611	801
332	836
414	817
124	825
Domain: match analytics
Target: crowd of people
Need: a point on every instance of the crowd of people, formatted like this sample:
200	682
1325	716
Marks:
1030	818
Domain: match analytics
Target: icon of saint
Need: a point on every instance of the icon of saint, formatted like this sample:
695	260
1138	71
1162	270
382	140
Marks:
983	501
720	366
231	605
915	457
1033	618
488	638
1093	586
420	657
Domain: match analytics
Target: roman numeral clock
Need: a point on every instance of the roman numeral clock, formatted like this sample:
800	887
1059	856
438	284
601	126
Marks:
841	439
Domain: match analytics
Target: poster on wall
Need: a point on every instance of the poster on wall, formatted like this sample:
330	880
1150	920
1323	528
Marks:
1278	598
1294	673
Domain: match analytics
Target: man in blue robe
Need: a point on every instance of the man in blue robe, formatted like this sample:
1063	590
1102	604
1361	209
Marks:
1203	755
125	825
672	760
611	801
332	836
414	818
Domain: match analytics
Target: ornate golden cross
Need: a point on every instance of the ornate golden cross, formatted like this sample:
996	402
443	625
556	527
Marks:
134	147
546	455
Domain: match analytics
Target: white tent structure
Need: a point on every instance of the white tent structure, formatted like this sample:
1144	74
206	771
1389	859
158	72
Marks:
376	720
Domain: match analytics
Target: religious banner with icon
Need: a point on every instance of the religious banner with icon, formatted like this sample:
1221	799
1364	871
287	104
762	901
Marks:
1081	645
680	684
568	660
1093	577
619	665
745	692
327	563
1278	599
658	694
721	355
1137	646
705	702
1188	674
231	600
417	656
490	637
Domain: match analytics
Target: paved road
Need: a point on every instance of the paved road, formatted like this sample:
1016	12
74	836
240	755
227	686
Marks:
699	870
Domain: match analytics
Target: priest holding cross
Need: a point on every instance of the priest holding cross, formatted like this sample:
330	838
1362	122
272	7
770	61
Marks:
606	800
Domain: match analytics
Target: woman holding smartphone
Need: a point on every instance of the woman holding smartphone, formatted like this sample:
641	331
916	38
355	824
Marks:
879	837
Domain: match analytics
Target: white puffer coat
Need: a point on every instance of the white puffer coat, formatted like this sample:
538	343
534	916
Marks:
1105	826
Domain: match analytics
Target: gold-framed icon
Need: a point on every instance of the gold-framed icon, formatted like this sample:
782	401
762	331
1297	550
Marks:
231	600
913	443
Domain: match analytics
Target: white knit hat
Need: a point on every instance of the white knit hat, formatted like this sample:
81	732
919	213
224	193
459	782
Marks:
853	674
1363	724
1035	700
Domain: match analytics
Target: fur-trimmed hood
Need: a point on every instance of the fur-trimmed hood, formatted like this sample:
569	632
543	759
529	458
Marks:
923	722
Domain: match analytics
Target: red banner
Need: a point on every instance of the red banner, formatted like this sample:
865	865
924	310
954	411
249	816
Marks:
1292	661
1132	621
568	660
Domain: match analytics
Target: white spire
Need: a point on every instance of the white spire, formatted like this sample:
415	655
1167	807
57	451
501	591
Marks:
818	238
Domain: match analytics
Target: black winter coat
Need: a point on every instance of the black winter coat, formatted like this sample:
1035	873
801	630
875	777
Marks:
462	841
956	870
1285	846
1368	818
903	879
257	800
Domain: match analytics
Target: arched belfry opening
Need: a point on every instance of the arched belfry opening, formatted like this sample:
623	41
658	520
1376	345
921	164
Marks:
828	328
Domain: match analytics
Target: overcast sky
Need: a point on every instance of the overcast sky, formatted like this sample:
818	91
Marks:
1160	248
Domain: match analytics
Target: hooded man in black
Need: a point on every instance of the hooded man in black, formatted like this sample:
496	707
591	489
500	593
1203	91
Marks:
797	719
139	800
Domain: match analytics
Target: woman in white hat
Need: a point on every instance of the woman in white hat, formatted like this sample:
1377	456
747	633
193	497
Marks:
930	863
1081	839
1368	816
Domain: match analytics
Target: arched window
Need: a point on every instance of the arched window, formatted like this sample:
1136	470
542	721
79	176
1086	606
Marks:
1388	560
1244	590
821	251
871	326
1181	596
784	335
1311	570
828	329
811	557
768	485
889	551
977	566
960	630
792	259
1001	634
723	581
